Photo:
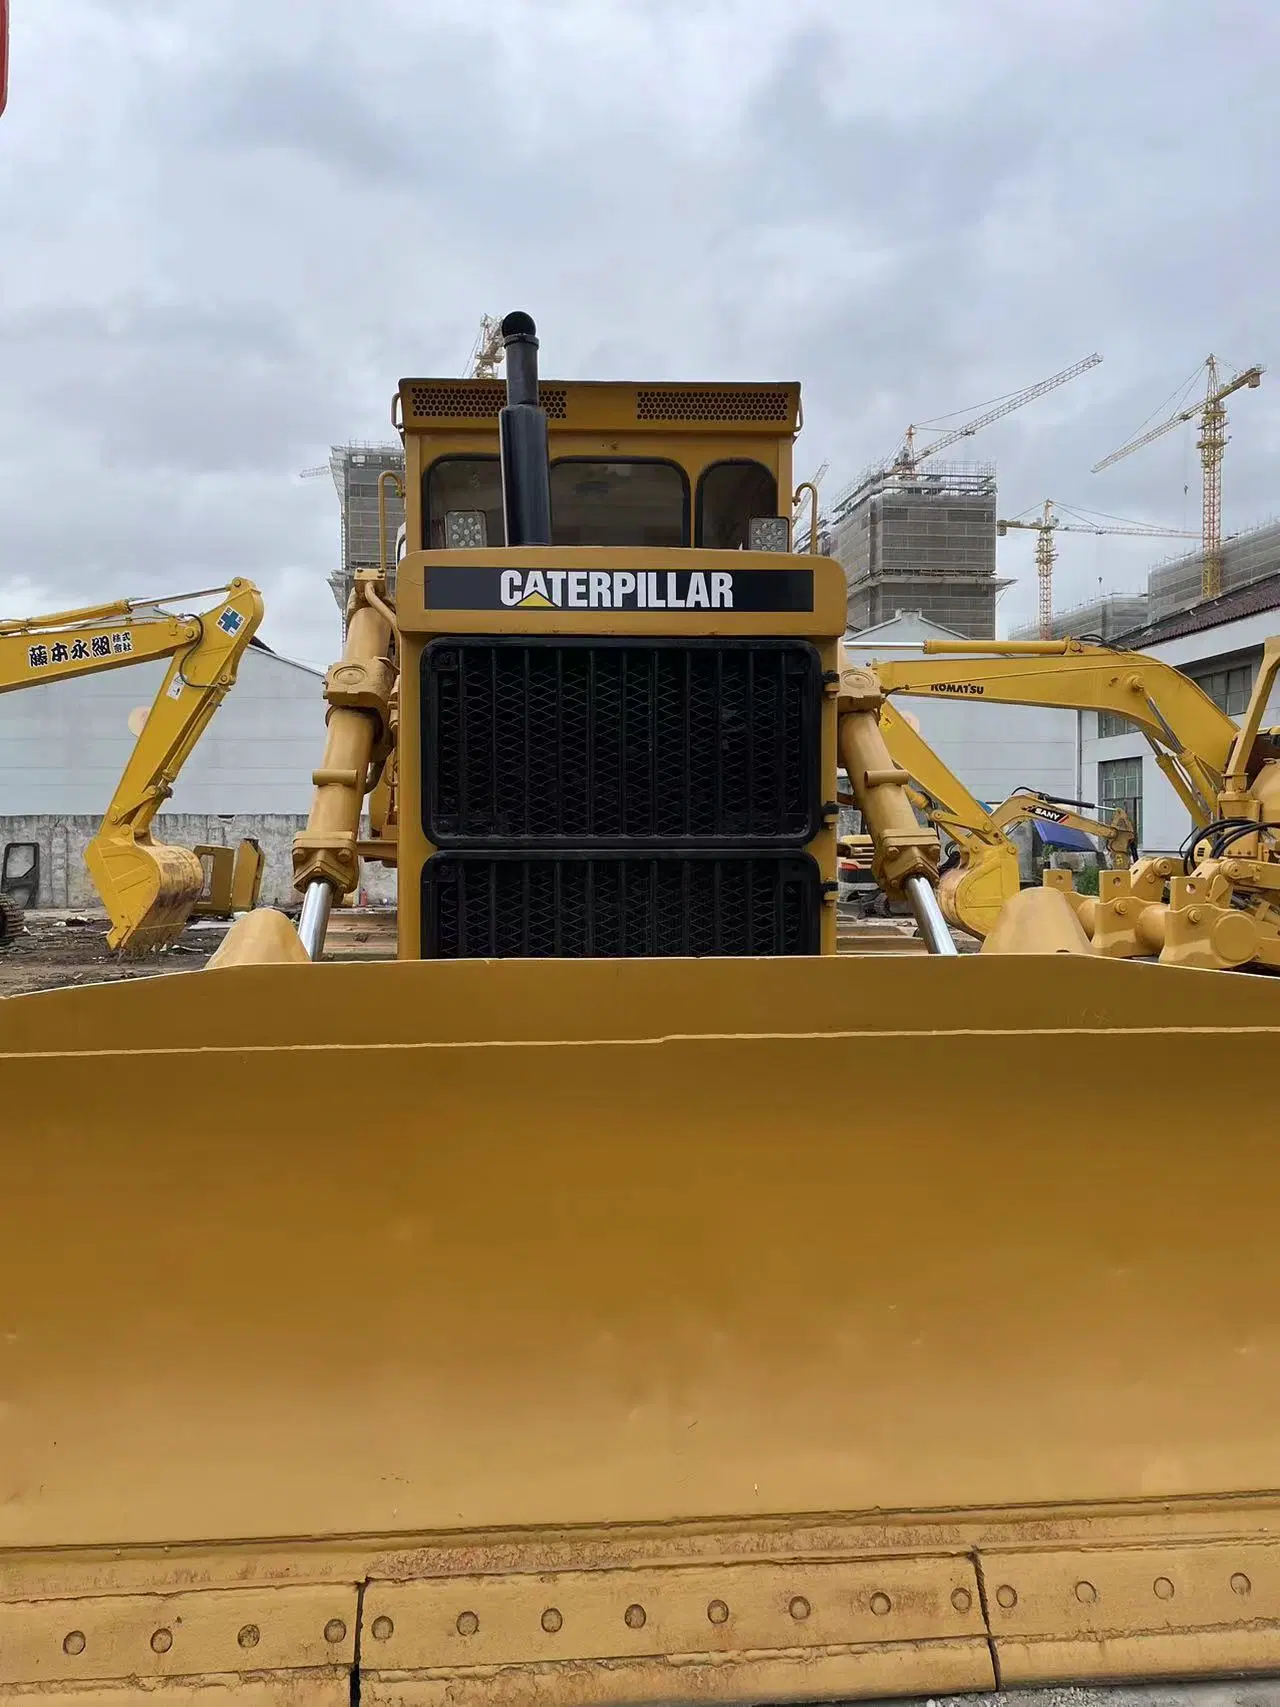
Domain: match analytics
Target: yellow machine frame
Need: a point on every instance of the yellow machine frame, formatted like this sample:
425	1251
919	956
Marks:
233	878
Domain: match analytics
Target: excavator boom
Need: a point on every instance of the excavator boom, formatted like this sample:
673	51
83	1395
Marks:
148	887
1190	735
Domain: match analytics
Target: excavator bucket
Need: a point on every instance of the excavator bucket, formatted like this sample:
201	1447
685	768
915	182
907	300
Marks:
528	1332
149	887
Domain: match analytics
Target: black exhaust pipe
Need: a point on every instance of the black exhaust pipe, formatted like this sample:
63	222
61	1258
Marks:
522	440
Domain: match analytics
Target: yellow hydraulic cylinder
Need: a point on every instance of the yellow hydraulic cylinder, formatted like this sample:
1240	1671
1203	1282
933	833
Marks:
358	691
906	852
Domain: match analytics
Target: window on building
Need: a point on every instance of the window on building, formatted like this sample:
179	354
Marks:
1120	785
1111	723
1229	687
626	501
462	483
729	494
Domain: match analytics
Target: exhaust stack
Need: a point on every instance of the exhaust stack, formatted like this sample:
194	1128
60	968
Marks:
522	440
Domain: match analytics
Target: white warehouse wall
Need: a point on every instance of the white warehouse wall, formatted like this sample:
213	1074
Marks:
64	745
1165	822
993	749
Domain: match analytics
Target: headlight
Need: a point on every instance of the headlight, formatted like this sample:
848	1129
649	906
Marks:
465	530
769	533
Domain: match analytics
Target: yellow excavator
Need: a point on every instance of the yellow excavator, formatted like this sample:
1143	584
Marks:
148	888
1215	905
982	871
623	1298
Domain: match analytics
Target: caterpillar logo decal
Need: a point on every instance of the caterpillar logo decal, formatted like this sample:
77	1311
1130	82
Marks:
450	587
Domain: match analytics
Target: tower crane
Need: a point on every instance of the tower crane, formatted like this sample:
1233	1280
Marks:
1211	444
909	456
1048	522
486	352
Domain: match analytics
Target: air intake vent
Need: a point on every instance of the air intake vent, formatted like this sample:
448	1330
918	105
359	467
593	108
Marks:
606	906
474	400
661	404
595	741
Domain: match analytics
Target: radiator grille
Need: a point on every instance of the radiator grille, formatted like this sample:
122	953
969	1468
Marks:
607	906
554	741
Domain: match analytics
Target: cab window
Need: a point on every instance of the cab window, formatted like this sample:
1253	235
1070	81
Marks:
462	483
729	494
625	501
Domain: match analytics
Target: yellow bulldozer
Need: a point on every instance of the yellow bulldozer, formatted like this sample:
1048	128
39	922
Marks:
622	1298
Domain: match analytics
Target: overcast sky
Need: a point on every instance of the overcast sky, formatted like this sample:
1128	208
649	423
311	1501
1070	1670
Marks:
230	226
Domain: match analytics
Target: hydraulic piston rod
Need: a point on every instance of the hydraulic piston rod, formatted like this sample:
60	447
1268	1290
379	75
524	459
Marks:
929	917
317	904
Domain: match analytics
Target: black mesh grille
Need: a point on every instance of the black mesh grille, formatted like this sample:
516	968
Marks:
589	742
604	906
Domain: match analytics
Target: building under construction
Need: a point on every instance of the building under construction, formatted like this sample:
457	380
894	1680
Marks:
1096	619
1175	585
355	469
922	541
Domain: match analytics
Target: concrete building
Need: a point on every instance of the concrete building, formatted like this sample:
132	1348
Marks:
1217	643
925	542
993	749
355	469
64	747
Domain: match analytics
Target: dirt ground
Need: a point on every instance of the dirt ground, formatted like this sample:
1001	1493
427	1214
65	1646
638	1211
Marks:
56	949
68	948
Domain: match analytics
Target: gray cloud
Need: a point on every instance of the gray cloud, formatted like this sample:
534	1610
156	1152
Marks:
230	230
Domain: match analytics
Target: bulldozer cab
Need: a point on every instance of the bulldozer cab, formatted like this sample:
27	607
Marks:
657	467
666	600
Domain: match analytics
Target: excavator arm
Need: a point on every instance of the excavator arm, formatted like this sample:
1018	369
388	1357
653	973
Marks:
974	889
68	643
1117	833
1190	736
147	887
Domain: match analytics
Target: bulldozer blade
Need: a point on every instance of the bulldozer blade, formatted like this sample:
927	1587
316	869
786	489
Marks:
464	1269
148	889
